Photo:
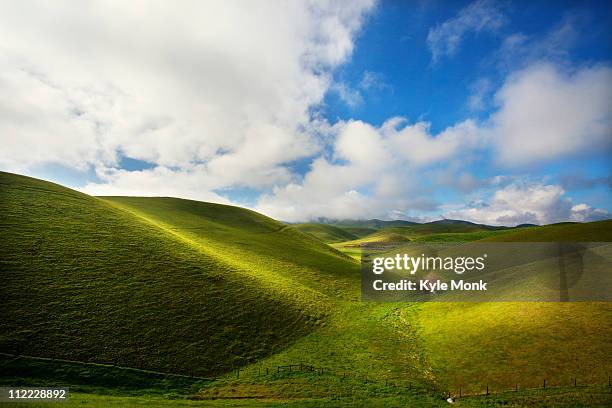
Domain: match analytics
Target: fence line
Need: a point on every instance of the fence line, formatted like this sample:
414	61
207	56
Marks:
393	382
396	382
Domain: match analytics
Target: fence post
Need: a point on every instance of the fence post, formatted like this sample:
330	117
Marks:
574	381
277	369
487	390
459	392
266	370
545	383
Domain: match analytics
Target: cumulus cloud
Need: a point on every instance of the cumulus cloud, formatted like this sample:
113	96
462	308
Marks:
220	90
479	16
380	161
154	182
546	112
214	95
533	203
419	147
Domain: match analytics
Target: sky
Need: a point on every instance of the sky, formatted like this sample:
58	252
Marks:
496	112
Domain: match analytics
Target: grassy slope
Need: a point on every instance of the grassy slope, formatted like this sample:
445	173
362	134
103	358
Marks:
500	344
359	231
326	233
451	344
461	236
358	337
372	224
279	256
166	253
462	345
102	386
86	280
434	231
588	232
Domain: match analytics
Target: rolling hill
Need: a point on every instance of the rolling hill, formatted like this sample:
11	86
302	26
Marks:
588	232
369	224
181	286
443	230
326	233
502	344
163	284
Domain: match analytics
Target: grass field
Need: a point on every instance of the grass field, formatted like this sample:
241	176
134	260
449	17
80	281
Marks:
107	286
326	233
520	342
443	231
152	286
101	386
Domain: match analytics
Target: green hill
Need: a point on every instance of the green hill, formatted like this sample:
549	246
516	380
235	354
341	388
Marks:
156	287
587	232
373	224
502	344
279	256
326	233
397	234
432	231
187	287
360	231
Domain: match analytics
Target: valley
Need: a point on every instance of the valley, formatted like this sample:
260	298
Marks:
186	303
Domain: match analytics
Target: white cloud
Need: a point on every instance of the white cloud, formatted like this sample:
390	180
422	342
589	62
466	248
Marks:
583	213
154	182
350	96
373	81
382	161
222	94
479	16
533	203
519	49
479	93
545	113
419	147
219	90
353	97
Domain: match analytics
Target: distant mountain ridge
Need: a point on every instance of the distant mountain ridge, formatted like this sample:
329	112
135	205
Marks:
372	223
379	224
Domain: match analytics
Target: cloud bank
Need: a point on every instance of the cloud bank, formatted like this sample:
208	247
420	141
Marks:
532	203
219	95
218	91
544	112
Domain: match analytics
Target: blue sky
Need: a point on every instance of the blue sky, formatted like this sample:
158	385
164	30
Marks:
491	111
393	50
393	46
